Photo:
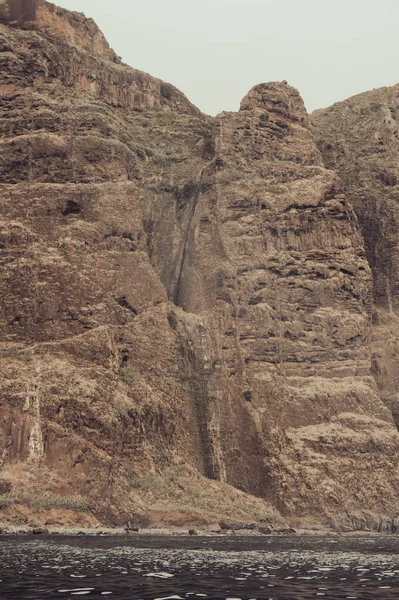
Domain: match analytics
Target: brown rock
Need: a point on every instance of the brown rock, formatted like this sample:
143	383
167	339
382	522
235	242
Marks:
359	138
38	531
186	301
5	487
265	530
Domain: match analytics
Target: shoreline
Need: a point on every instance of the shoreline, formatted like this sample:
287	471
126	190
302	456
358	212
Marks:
15	530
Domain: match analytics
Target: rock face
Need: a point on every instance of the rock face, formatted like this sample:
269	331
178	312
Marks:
186	301
359	138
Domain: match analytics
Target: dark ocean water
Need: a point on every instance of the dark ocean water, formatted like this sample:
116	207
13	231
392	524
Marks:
179	567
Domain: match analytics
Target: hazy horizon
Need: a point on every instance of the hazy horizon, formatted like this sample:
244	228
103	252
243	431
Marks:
214	51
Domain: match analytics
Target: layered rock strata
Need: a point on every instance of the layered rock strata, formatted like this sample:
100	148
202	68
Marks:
359	139
186	300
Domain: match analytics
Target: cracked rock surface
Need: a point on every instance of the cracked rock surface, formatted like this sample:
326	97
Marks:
187	301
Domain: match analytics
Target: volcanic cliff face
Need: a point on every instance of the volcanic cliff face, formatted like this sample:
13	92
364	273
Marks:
359	138
186	300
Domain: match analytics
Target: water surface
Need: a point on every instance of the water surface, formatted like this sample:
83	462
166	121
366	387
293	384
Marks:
180	567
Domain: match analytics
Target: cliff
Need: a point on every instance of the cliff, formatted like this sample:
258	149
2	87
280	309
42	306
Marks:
359	139
187	302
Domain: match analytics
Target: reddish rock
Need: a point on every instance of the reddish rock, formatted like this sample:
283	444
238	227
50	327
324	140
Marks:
359	138
186	300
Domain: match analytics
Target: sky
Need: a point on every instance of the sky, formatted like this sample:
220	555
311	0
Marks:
215	51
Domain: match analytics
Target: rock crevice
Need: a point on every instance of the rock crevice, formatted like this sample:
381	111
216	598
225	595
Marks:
193	291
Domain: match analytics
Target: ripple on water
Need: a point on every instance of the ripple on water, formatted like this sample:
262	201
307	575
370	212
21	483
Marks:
44	569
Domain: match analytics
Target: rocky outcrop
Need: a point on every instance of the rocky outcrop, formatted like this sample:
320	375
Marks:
277	266
359	139
186	300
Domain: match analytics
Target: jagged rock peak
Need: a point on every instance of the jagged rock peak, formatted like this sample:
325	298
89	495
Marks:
52	20
87	61
276	97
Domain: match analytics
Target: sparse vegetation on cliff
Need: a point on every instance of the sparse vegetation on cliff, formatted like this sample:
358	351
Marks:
45	500
194	292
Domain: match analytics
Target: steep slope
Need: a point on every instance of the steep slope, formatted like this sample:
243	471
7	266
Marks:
98	369
276	264
186	301
359	139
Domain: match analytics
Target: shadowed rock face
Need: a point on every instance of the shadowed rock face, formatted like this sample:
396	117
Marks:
18	11
359	138
186	300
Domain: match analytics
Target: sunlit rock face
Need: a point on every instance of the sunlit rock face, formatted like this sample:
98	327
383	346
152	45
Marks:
186	301
359	139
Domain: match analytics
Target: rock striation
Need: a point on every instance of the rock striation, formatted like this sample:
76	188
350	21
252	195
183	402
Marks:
187	301
359	139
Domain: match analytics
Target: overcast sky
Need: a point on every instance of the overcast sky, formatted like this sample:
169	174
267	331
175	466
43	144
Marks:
216	50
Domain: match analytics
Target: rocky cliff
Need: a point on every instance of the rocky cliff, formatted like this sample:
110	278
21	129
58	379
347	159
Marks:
359	139
187	302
